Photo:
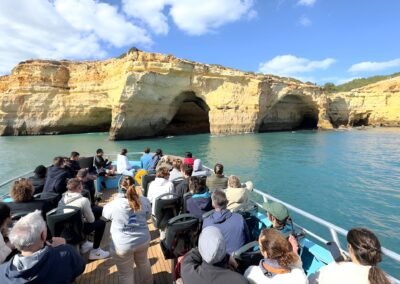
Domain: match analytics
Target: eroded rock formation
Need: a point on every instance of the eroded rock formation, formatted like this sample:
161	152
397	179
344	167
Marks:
148	94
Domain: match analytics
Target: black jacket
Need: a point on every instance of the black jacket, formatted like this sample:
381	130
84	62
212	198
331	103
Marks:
196	271
38	183
56	180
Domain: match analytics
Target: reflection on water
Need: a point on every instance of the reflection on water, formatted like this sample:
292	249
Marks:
351	178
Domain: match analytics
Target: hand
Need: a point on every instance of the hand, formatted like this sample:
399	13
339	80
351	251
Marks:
55	242
292	240
232	262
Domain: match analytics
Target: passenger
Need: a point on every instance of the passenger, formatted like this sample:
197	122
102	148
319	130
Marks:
130	236
155	159
159	186
200	202
176	173
73	197
88	183
57	176
198	169
102	165
232	225
217	180
145	160
126	182
365	253
183	187
23	200
123	166
236	194
188	160
5	219
165	162
39	261
209	263
280	263
38	179
72	163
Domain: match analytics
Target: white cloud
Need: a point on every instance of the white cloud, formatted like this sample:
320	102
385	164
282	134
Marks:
369	66
290	65
195	17
306	2
305	21
62	29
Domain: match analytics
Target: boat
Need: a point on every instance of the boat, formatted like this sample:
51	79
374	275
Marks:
314	251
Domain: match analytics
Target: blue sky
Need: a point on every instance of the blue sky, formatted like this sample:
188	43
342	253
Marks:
313	40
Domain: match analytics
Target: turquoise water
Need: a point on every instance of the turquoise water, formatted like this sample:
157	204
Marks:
350	178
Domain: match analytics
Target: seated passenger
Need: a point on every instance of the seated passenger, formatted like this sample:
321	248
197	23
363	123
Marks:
123	166
22	194
145	160
175	173
280	263
365	253
72	164
232	225
188	160
217	180
200	201
130	236
278	214
159	186
198	169
165	162
73	197
5	219
209	263
236	194
103	166
126	182
183	187
39	261
57	176
38	179
155	159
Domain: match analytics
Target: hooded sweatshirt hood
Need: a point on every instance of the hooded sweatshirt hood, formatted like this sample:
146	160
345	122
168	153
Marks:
212	245
198	169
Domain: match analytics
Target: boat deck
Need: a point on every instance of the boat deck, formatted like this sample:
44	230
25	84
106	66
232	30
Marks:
105	270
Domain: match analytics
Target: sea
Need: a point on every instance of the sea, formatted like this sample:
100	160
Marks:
350	178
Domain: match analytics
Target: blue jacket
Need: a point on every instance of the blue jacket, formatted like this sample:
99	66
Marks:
233	227
56	180
145	161
61	264
199	204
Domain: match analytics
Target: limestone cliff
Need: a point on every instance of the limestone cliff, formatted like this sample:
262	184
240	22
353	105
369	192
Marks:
148	94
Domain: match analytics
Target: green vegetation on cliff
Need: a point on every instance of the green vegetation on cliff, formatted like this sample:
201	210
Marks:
356	83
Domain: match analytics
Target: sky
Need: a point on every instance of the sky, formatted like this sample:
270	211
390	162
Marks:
312	40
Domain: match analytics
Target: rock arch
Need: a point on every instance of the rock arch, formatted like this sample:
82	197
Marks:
291	112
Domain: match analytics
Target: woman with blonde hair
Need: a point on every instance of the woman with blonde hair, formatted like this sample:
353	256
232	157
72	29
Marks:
280	263
236	194
130	236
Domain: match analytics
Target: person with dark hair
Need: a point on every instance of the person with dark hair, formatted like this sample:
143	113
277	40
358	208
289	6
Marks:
232	225
188	160
57	177
5	218
123	165
365	253
102	165
146	158
73	197
155	159
160	185
23	200
38	179
39	261
210	263
126	182
200	201
280	263
72	164
217	180
175	173
183	187
88	184
130	236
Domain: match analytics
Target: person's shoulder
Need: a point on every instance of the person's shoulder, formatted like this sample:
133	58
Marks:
64	251
254	274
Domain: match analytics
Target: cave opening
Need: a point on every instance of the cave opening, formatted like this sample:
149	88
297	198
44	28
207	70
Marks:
359	121
191	116
291	113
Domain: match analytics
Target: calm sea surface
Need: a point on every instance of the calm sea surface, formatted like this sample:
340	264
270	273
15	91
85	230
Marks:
350	178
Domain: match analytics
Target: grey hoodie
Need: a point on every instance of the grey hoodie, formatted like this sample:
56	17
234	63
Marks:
198	169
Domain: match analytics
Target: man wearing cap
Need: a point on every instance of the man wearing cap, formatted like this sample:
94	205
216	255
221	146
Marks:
209	263
278	214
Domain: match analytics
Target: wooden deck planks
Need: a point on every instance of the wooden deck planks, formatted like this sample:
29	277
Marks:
105	271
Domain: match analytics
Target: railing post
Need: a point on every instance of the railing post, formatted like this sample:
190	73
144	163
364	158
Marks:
335	237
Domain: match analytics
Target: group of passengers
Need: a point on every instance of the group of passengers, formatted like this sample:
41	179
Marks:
28	253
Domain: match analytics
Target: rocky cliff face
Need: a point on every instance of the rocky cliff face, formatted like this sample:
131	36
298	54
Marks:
148	94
